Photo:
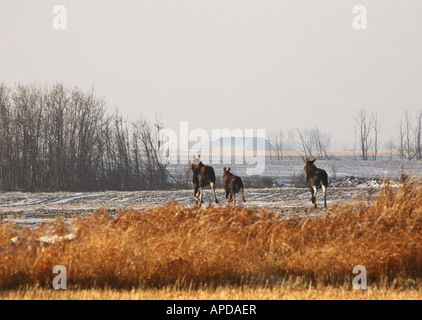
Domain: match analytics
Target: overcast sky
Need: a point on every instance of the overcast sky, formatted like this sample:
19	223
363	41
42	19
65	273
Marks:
226	64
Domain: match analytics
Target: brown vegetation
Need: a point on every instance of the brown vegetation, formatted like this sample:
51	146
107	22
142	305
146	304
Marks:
193	247
294	290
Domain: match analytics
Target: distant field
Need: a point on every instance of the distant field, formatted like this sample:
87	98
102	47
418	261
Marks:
338	165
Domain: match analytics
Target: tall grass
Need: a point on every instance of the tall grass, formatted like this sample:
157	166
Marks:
175	245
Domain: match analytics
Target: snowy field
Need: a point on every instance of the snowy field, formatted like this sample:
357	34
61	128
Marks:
282	170
358	178
24	207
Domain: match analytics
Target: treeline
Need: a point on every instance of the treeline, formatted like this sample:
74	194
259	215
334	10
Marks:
406	144
56	138
309	143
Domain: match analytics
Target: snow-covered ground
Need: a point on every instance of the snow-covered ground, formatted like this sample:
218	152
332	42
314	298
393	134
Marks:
34	208
354	178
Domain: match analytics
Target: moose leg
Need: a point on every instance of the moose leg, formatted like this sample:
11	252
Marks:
213	191
229	197
234	197
312	193
314	188
227	194
324	190
195	194
243	195
201	191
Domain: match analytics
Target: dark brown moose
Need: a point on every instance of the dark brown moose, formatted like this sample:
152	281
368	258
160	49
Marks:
316	179
202	176
232	185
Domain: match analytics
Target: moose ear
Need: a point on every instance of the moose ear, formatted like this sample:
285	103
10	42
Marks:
228	169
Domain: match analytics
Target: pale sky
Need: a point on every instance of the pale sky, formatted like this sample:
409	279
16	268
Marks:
226	64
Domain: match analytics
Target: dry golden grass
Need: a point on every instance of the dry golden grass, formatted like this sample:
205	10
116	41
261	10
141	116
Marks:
190	249
285	292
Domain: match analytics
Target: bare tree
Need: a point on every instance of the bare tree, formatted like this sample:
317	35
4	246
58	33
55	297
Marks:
377	128
153	168
313	140
291	140
400	140
5	138
418	136
321	142
304	142
390	147
277	142
408	129
364	125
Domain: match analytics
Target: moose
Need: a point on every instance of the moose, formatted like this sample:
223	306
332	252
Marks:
232	185
202	176
316	179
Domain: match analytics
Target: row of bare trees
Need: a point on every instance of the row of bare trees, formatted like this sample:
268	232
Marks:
367	131
55	138
406	144
308	142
